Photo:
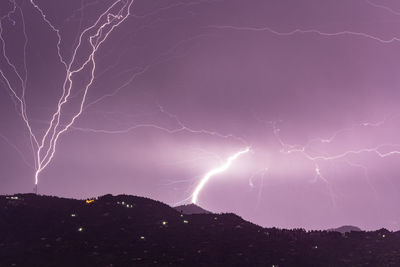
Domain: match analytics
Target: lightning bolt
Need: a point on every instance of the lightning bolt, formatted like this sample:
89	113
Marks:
94	36
383	7
216	171
307	31
181	127
382	151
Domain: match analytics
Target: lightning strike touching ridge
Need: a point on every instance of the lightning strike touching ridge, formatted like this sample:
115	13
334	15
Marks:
216	171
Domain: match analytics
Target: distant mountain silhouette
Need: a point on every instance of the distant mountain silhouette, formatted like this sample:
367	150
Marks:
135	231
191	209
345	229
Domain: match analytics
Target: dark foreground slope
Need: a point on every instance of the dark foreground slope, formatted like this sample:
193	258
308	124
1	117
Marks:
131	231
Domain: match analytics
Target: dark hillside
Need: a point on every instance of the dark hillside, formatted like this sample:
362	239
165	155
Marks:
130	231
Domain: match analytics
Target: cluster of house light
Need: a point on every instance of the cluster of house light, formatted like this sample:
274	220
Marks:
125	204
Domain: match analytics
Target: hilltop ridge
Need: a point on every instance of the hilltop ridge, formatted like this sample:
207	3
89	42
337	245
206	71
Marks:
128	230
191	209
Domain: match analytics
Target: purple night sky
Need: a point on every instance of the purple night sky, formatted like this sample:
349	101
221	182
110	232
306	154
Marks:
312	87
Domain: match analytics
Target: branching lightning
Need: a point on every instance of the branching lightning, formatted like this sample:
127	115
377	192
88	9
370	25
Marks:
382	151
94	35
181	127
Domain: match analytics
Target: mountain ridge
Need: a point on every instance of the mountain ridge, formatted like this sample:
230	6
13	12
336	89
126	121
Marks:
345	229
191	209
128	230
